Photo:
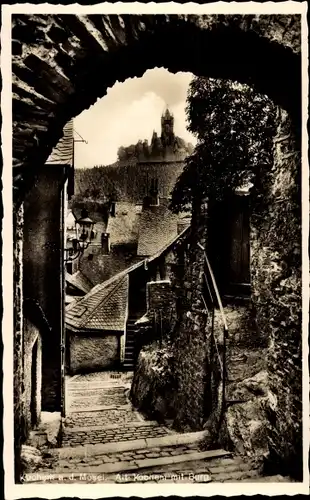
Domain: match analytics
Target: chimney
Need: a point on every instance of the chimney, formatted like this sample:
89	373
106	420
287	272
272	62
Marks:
112	208
105	243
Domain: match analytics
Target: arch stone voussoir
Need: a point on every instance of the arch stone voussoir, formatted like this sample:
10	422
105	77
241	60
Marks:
62	64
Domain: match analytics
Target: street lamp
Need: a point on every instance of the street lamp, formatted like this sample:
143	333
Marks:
83	236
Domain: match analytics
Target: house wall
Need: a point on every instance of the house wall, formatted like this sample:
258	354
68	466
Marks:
43	270
31	337
91	352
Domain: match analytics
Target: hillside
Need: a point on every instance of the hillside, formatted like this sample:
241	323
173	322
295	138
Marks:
126	181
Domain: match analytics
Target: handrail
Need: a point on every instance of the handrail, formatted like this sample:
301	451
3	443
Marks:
215	287
216	346
207	283
222	361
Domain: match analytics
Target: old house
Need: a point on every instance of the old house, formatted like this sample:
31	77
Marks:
115	248
42	259
158	226
95	327
100	326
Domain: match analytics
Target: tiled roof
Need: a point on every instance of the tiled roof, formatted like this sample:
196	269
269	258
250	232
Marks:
158	226
103	308
78	280
123	228
95	215
63	151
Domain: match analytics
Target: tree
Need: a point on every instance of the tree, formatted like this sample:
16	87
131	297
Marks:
121	153
234	126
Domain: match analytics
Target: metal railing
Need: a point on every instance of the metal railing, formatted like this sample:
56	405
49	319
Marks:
212	301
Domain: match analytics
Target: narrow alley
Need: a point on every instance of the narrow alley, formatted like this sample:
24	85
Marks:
156	304
106	440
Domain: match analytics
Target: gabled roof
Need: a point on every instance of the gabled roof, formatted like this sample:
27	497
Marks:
123	227
103	308
158	226
63	151
79	281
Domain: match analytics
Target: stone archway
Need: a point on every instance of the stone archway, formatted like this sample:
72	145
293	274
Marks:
63	63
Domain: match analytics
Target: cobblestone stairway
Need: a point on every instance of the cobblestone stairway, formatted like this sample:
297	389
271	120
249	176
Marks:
106	440
129	360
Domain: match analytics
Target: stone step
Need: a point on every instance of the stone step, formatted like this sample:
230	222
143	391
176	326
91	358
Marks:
176	439
139	460
129	425
96	408
101	435
129	354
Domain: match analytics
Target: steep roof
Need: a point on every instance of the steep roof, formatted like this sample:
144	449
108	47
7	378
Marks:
123	227
103	308
63	151
158	226
79	281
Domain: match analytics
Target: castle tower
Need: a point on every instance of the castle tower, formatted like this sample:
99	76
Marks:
167	126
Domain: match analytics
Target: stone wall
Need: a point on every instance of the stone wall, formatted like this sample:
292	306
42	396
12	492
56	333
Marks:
91	353
19	428
276	284
191	344
153	389
159	295
185	341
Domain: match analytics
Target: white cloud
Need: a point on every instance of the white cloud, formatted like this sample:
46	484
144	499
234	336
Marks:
131	111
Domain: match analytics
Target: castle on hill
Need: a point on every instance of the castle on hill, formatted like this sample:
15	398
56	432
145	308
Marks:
167	146
140	168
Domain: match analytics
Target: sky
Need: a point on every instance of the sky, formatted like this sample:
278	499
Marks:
131	111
